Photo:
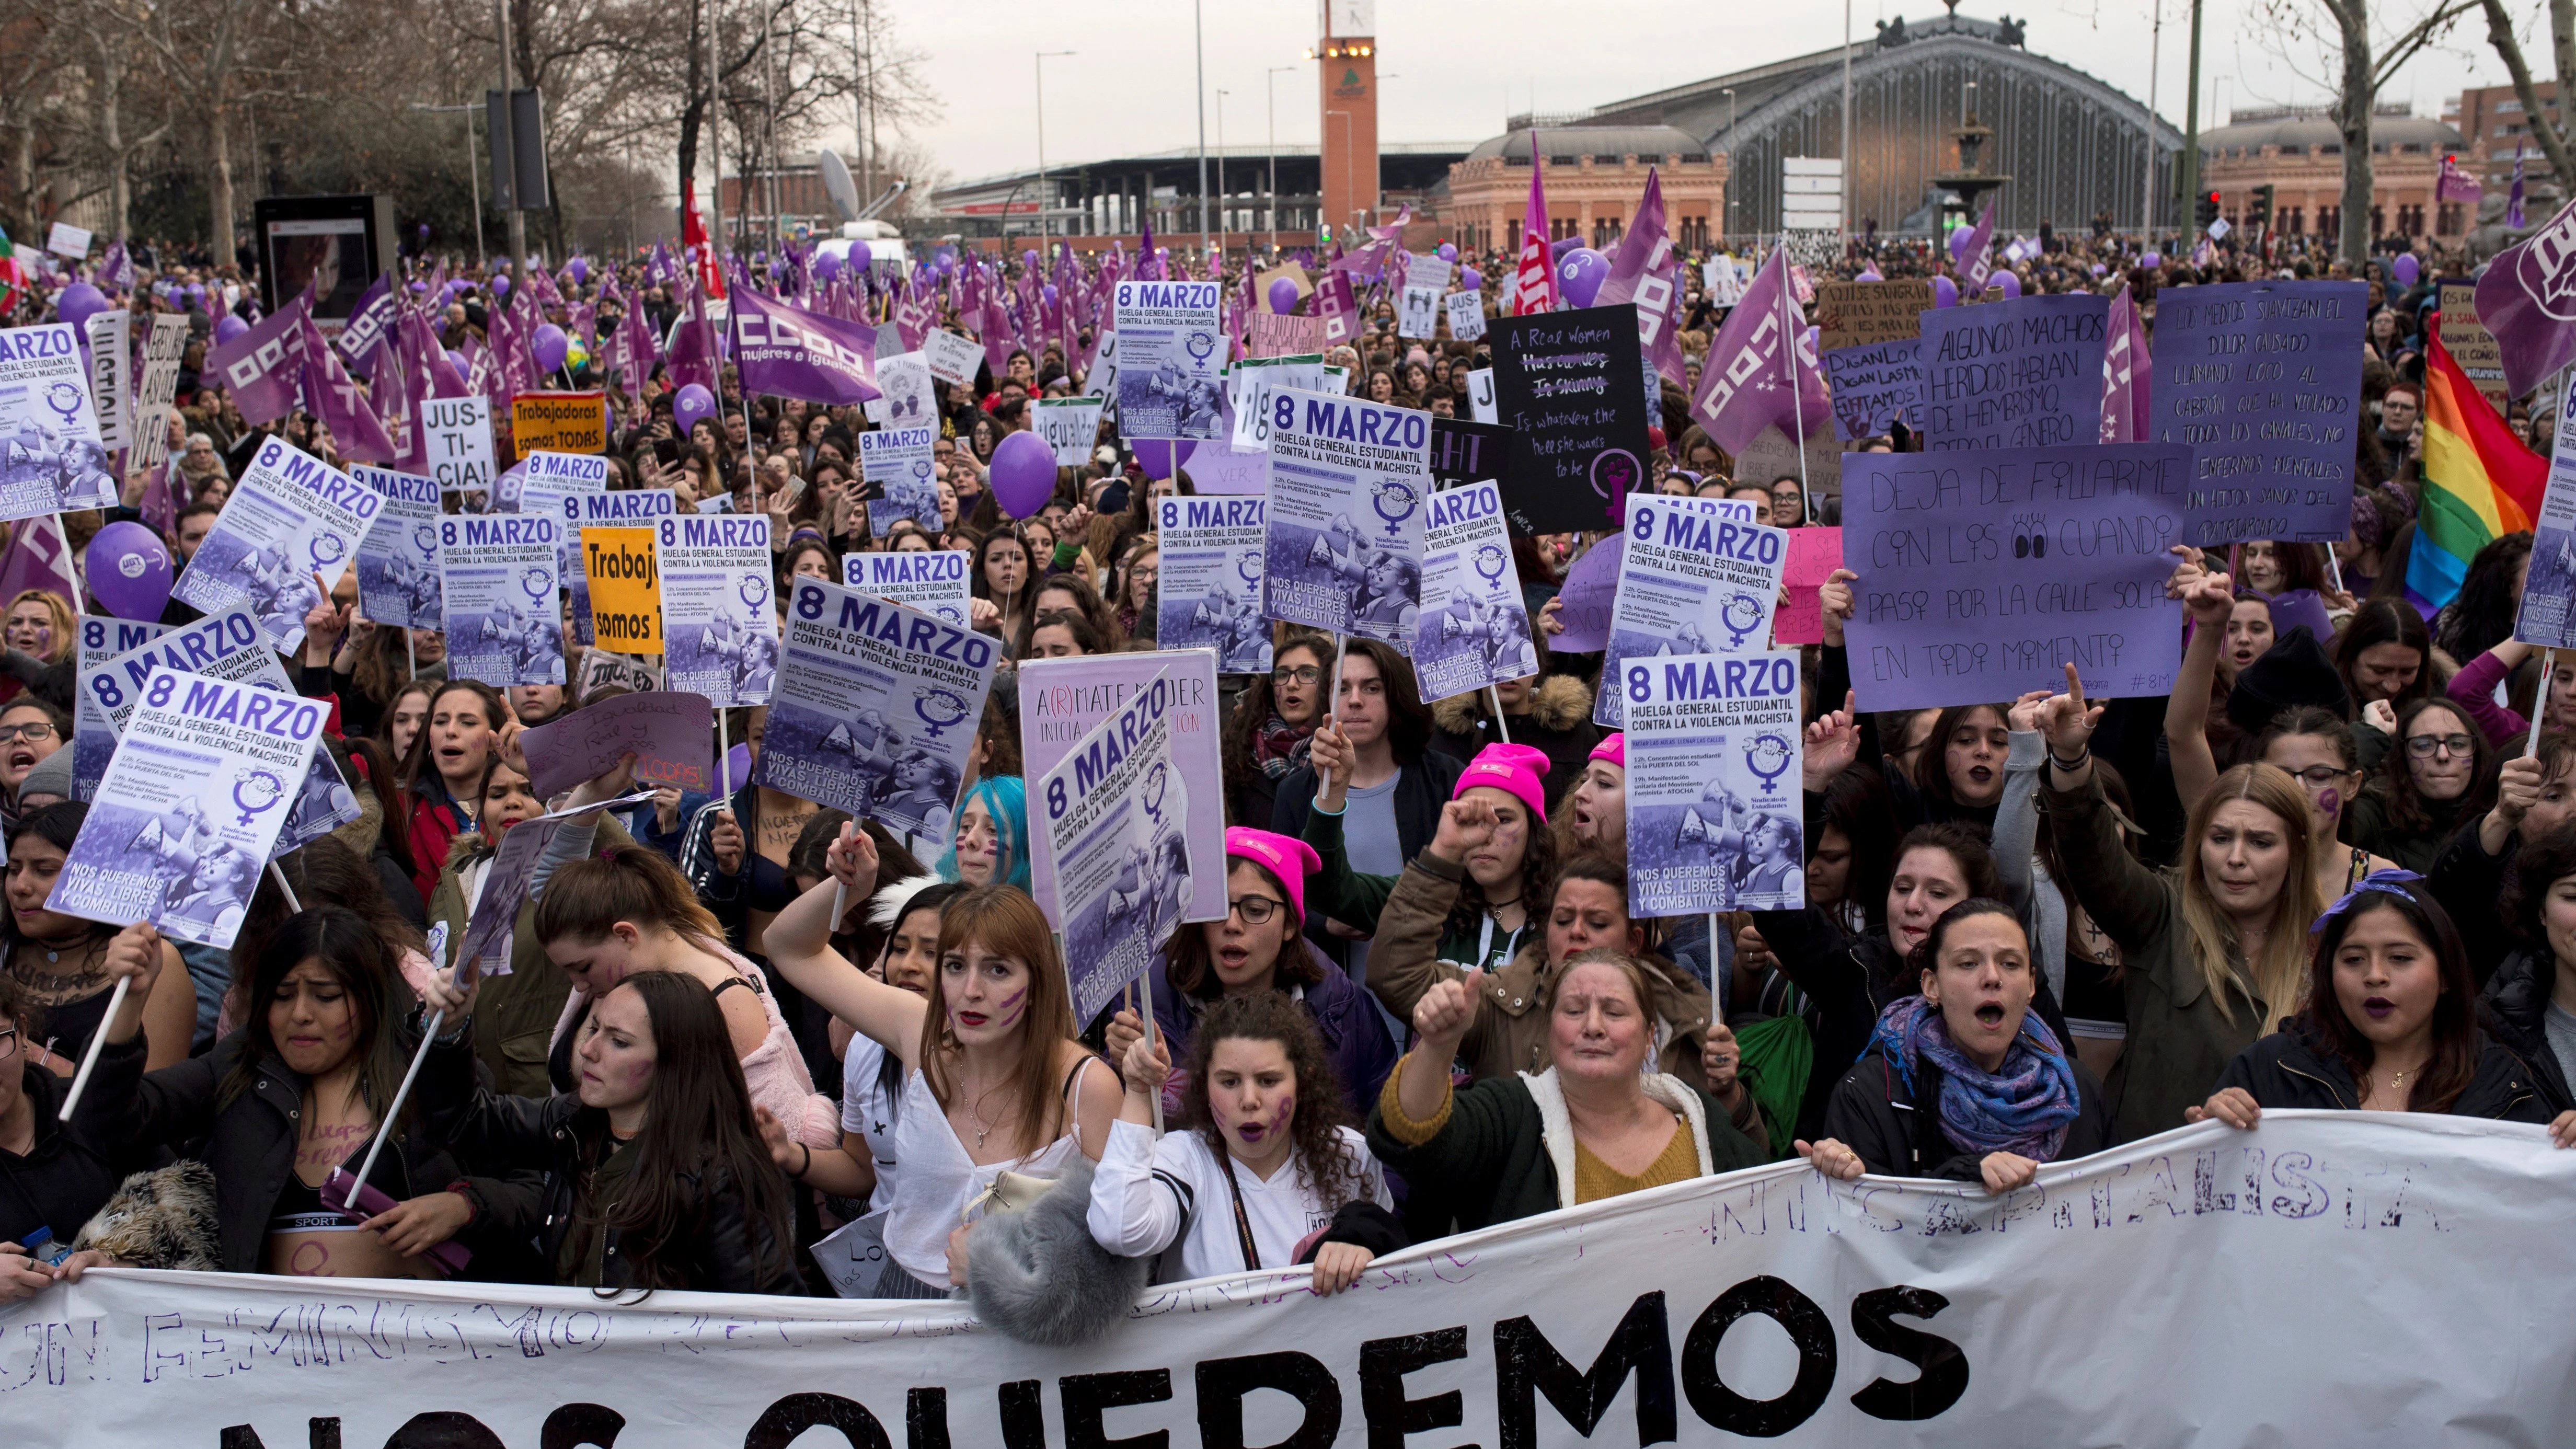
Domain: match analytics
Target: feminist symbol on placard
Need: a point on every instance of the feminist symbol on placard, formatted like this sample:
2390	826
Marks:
1199	345
327	549
257	791
754	591
1247	566
535	582
1489	563
939	708
1741	614
66	400
1158	785
1614	472
425	539
1769	757
1394	501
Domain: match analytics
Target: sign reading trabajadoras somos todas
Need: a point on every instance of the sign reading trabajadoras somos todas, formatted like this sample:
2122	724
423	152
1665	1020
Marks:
2330	1278
559	422
625	589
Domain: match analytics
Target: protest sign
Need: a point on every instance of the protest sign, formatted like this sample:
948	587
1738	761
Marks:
1715	810
1209	590
111	355
1466	315
292	520
876	708
951	358
49	439
2470	344
1807	1322
1467	452
225	646
67	240
1100	380
1982	573
624	582
934	581
93	738
2263	381
2020	374
2547	616
189	808
163	347
1772	456
1814	554
1874	386
458	432
1417	312
1573	387
543	479
1218	467
1063	700
1858	314
1288	335
485	946
1248	387
560	422
906	397
1292	273
1171	350
601	669
1691	581
1071	427
719	613
398	559
900	468
1474	628
1342	546
1481	405
498	585
1584	603
624	508
1111	814
671	735
324	801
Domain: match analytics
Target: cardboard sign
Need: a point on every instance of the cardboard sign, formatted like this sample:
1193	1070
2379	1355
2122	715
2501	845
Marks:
2470	344
625	589
1857	314
671	735
559	422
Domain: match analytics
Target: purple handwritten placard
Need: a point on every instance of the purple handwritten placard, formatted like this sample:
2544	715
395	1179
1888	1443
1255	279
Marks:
2019	374
2262	381
1591	587
672	736
1983	572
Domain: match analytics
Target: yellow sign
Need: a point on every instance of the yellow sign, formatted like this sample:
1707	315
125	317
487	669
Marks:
625	589
559	422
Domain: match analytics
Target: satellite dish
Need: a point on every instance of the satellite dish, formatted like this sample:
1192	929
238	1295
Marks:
837	184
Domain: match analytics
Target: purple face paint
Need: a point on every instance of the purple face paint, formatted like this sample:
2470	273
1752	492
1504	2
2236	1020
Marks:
2330	801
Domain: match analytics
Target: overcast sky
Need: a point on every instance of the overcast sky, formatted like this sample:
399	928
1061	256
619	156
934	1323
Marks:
1129	89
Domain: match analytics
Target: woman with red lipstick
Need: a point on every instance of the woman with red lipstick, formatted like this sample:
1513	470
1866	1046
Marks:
443	772
994	1079
1963	1081
1270	1173
2390	1024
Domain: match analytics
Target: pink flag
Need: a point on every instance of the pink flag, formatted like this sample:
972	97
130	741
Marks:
1974	255
39	557
1647	273
263	365
2125	374
1747	382
1333	303
2455	184
1534	288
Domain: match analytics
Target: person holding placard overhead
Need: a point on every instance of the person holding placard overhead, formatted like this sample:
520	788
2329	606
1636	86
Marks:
58	961
995	1082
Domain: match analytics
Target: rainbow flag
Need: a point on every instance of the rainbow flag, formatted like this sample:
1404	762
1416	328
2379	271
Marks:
2480	482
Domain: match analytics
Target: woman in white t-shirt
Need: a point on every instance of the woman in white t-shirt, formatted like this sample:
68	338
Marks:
1269	1173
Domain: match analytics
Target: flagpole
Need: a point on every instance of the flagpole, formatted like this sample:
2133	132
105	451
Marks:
1797	405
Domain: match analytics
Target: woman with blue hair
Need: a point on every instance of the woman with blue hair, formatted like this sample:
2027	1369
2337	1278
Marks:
990	845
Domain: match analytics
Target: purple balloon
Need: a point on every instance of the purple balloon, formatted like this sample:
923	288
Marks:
1448	251
1029	258
1869	274
419	287
1049	294
579	267
78	303
2408	269
1283	296
1158	458
827	265
1580	274
550	346
861	256
738	764
129	570
1959	239
1470	279
464	369
501	285
1945	293
2011	284
690	404
1023	474
2150	260
228	327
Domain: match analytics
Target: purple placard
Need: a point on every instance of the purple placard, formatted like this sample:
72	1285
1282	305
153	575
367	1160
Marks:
2019	374
669	733
1984	572
1591	586
2262	381
1874	385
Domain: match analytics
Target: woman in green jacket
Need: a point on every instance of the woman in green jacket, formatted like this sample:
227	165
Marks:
1594	1125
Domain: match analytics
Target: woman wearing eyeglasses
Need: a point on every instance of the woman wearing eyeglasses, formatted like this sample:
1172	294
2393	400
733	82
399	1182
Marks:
1266	736
1261	946
30	730
2440	774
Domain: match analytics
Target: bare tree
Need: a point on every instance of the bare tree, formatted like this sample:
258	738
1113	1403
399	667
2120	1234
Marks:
218	56
2366	63
2552	135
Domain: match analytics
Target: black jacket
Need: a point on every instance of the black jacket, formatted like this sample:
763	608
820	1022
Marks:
2290	1068
1421	789
2514	1010
1898	1133
2466	881
250	1144
66	1175
563	1139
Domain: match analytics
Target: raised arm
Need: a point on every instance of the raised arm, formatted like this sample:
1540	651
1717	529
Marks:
800	949
2209	599
1404	957
1136	1211
2123	897
2016	833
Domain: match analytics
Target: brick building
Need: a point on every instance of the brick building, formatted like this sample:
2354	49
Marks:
1594	177
2298	152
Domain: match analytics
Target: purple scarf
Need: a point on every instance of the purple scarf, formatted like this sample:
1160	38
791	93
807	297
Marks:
2022	1109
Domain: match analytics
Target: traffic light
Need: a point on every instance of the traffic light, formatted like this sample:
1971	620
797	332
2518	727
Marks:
2258	213
2205	210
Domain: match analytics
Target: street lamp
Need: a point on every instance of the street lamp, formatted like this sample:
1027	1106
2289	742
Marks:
1270	80
473	169
1039	67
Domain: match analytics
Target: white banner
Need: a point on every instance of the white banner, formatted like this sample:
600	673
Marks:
2350	1279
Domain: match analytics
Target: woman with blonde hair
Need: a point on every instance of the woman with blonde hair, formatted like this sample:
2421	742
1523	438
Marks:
2213	954
40	631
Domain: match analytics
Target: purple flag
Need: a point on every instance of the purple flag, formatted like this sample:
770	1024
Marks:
161	500
1745	383
2527	298
371	325
997	336
1333	303
39	557
693	348
2125	373
335	399
1975	255
786	351
116	269
1647	273
263	365
2454	184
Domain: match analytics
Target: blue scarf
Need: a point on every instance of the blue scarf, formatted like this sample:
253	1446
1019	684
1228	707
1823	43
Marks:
2022	1109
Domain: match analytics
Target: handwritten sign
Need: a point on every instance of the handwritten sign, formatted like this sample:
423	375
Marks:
1875	385
2470	344
1574	387
1984	572
1857	314
2262	380
2020	374
559	422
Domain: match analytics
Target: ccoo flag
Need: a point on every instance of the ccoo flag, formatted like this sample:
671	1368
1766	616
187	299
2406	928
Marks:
785	351
1746	383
